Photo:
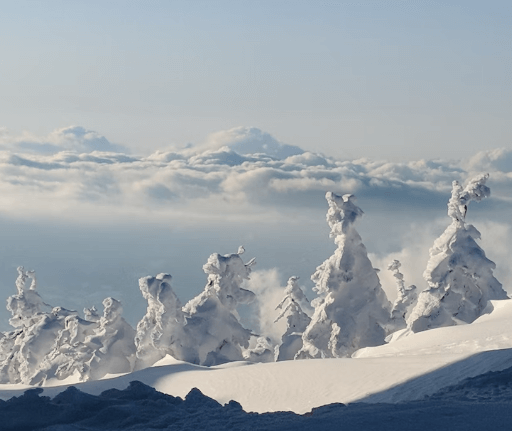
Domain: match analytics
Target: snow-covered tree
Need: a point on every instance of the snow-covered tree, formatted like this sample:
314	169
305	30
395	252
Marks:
352	310
297	321
459	275
161	330
213	324
405	300
116	337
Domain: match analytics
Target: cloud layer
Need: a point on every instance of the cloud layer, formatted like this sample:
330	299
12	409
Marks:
238	172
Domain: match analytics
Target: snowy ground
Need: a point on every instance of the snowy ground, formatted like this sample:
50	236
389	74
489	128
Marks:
405	370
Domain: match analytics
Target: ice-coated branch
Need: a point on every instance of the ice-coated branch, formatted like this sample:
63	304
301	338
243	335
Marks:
342	214
293	294
475	190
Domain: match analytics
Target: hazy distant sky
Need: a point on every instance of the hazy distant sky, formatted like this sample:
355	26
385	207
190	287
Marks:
387	79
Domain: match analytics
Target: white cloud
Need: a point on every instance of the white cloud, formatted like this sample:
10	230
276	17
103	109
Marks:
73	138
251	140
499	159
218	180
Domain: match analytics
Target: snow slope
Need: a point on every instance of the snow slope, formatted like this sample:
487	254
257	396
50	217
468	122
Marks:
409	368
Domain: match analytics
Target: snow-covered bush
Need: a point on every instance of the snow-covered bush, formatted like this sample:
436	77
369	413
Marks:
161	331
297	321
459	275
212	321
405	300
352	310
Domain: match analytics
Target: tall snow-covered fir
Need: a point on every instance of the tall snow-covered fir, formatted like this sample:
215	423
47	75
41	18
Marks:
459	275
297	321
351	311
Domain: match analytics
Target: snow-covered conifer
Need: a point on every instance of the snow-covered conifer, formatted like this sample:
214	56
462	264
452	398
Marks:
297	321
406	298
161	330
352	310
213	324
116	336
459	275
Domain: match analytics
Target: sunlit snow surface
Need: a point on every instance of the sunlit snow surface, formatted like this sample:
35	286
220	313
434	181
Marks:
409	368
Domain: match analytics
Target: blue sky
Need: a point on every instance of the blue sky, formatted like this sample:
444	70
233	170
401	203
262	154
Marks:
390	79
